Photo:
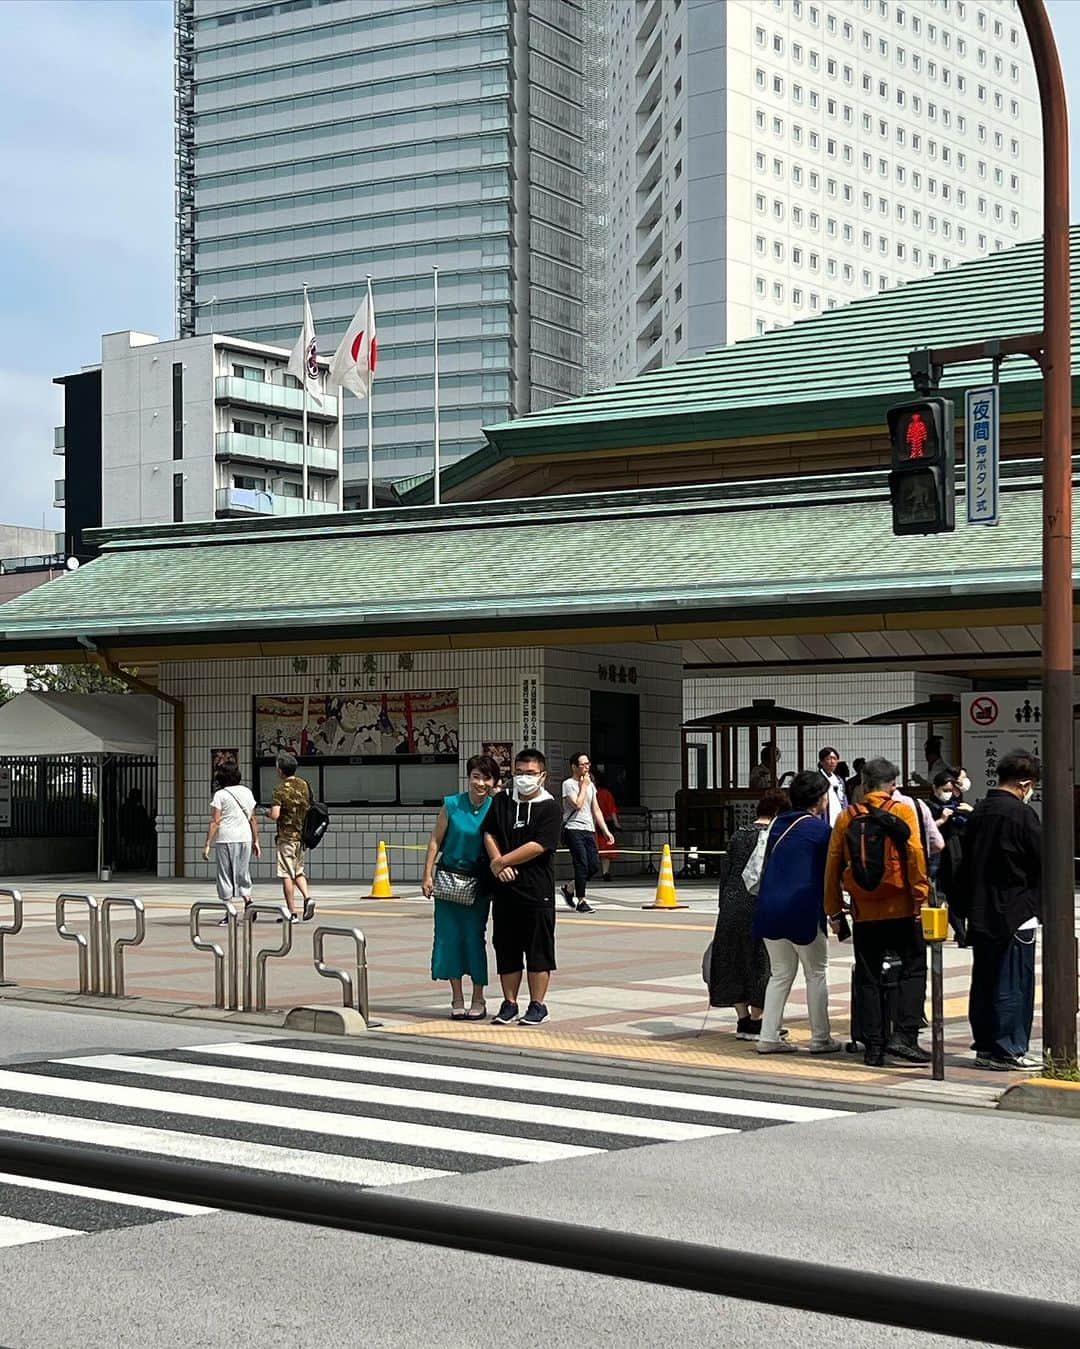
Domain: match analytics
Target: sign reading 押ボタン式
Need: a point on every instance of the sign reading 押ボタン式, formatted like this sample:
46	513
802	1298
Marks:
981	455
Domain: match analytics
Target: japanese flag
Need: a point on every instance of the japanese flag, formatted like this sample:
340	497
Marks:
304	361
353	366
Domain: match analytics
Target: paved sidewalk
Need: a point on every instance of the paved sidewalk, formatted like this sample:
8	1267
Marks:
629	984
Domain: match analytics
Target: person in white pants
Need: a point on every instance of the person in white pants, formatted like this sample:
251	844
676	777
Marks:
790	916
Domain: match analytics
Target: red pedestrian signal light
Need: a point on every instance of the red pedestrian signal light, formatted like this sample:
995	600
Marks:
921	485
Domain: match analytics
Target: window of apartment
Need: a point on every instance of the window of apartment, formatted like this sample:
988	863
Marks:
777	126
759	78
796	93
243	427
796	297
815	182
797	215
777	85
777	291
796	257
759	243
814	262
778	167
759	285
796	51
759	326
678	247
867	278
178	410
778	209
778	250
255	372
178	498
778	44
796	175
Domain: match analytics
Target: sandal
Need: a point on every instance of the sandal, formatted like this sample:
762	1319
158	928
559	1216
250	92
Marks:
457	1011
477	1012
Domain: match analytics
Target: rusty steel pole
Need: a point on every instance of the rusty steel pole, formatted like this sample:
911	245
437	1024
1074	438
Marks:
1059	993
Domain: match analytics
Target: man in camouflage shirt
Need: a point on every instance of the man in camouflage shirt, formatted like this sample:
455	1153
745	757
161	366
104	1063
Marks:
290	802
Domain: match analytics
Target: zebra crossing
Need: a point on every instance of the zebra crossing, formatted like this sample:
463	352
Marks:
363	1116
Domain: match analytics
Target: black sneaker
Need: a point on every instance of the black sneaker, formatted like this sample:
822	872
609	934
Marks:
568	897
908	1052
534	1015
748	1028
582	907
874	1058
506	1015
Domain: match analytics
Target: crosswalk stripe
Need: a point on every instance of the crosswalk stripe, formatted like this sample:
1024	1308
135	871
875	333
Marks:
20	1231
656	1098
109	1196
332	1166
366	1093
471	1142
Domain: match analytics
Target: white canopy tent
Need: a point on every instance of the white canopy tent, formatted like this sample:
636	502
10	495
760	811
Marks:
95	725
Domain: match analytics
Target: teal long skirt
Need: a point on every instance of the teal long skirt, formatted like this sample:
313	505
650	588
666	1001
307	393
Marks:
460	945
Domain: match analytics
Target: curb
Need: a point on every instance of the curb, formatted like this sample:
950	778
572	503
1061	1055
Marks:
1042	1096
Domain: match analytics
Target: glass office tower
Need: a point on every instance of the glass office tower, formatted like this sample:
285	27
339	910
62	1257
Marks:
319	141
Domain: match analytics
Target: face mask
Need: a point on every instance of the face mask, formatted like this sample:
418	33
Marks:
964	783
1028	795
525	784
943	794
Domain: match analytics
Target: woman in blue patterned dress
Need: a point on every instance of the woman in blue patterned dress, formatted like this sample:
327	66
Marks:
456	876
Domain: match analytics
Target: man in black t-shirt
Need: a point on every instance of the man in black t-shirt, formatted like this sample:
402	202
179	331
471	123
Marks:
521	833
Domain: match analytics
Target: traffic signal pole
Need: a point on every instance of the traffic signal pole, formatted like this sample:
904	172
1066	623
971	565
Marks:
1059	919
1052	349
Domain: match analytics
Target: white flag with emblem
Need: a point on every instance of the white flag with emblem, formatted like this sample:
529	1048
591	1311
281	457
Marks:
304	361
353	366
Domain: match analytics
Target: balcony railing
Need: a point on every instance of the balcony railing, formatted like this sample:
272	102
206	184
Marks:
245	501
261	393
58	439
265	450
58	492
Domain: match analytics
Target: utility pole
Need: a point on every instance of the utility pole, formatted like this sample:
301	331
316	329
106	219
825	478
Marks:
1059	991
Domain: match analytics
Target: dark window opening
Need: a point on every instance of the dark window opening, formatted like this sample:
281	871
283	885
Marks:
178	410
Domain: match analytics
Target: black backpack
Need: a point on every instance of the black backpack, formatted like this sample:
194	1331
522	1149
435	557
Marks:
868	836
316	823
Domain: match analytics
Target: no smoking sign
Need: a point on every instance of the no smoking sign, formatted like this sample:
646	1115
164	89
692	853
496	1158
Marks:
984	711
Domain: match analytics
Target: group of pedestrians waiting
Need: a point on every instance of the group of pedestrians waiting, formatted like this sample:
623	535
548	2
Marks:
813	860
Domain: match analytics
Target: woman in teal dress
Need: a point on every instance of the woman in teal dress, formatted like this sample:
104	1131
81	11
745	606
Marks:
456	850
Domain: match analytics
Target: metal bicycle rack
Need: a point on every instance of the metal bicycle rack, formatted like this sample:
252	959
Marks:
88	943
354	991
9	929
112	952
230	912
257	1002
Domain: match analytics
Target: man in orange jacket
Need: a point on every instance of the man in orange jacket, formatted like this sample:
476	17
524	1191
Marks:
885	875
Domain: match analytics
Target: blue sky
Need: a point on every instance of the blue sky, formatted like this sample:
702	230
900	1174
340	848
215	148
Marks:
86	202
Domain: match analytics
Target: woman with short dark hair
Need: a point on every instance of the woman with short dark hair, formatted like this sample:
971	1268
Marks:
456	878
739	967
233	835
790	916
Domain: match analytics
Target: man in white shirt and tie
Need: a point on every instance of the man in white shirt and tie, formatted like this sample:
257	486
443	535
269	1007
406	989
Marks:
828	758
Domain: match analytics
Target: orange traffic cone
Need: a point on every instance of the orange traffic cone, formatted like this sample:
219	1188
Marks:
666	897
380	886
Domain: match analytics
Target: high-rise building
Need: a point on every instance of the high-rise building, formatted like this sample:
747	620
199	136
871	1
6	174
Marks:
769	159
319	141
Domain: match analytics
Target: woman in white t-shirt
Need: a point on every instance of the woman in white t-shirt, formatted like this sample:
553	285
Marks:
233	834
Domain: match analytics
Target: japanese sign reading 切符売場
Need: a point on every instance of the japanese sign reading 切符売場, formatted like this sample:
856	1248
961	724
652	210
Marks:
981	454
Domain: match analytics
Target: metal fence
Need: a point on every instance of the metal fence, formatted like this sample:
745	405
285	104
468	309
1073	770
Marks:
56	796
52	796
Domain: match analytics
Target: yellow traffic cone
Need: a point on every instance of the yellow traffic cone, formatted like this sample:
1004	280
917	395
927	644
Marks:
380	886
666	897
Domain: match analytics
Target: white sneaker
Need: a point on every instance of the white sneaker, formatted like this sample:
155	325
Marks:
825	1047
776	1047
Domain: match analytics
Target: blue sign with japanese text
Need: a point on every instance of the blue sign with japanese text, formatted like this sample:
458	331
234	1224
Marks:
981	455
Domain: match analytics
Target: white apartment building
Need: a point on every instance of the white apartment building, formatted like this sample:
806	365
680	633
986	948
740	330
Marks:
193	429
769	159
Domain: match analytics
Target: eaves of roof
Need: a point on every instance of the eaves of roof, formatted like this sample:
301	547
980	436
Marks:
685	558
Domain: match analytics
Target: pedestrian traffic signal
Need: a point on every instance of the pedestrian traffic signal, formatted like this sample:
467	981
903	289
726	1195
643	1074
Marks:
922	482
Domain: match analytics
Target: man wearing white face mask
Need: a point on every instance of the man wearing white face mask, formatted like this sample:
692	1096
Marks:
521	834
998	890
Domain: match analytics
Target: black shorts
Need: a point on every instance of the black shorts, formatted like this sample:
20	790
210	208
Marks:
523	936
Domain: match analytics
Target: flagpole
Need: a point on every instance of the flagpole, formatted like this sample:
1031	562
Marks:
370	439
303	400
435	280
340	448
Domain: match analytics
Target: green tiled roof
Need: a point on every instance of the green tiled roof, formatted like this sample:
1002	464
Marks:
645	557
835	370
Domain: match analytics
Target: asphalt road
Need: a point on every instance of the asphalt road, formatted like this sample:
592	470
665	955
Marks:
959	1196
